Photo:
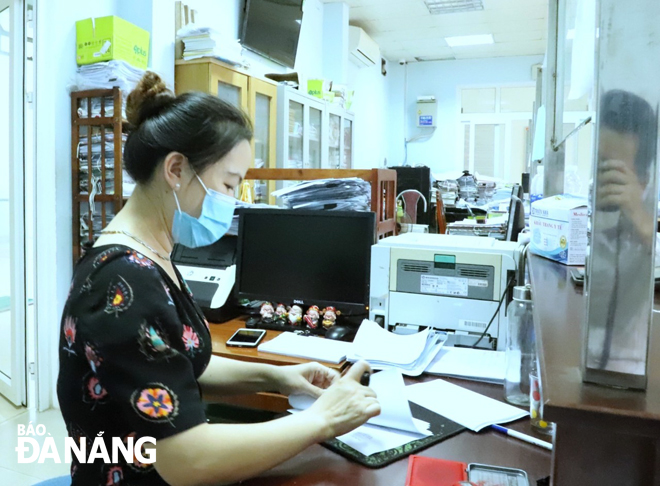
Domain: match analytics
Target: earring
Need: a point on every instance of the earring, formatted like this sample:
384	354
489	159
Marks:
177	186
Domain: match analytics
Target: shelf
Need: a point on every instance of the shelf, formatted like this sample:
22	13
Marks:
101	120
98	198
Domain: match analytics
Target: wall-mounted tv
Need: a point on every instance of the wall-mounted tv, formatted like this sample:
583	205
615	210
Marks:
272	28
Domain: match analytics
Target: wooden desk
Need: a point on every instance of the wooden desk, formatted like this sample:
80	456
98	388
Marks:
604	436
320	467
271	402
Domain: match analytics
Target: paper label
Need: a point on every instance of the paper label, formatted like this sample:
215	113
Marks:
477	282
432	284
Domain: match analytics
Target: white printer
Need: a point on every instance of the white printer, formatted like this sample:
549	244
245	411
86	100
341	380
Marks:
448	282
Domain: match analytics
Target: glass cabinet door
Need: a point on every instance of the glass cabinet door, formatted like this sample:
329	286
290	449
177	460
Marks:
315	137
295	135
334	136
229	93
261	143
347	153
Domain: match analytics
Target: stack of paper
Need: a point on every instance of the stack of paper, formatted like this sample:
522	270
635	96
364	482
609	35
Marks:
208	42
463	406
394	427
470	364
106	75
411	354
350	194
309	347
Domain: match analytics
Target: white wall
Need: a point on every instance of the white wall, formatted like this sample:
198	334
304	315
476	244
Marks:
56	65
370	105
442	79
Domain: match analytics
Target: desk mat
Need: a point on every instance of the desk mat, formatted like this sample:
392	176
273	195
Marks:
441	427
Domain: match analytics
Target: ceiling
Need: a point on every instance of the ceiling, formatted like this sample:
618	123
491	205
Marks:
404	29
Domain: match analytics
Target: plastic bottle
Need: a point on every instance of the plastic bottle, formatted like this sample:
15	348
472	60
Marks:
536	188
520	347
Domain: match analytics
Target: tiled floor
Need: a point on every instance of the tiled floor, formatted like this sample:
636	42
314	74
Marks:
14	474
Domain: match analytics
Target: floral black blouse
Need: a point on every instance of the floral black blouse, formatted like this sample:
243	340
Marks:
131	349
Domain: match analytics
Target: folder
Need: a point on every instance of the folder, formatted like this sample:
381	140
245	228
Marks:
427	471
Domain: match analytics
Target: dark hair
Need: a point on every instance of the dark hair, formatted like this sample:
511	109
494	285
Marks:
625	112
200	126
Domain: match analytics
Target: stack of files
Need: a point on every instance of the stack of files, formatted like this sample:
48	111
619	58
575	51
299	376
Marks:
465	407
411	354
350	194
469	364
394	427
106	75
308	347
208	42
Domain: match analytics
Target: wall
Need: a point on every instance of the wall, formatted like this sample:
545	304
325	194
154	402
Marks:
56	65
442	79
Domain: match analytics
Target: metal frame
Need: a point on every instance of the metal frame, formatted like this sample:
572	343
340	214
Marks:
14	387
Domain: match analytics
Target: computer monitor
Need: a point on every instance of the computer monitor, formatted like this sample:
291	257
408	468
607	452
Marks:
306	258
516	214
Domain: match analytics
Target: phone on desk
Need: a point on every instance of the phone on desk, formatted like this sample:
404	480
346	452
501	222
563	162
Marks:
246	338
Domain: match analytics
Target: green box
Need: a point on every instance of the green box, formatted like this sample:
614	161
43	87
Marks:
111	38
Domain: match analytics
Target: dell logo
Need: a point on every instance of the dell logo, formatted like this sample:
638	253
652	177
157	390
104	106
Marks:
298	302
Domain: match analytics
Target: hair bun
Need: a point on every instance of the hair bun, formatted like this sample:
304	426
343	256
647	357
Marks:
148	99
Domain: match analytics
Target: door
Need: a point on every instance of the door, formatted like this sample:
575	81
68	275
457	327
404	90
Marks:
230	86
12	196
263	113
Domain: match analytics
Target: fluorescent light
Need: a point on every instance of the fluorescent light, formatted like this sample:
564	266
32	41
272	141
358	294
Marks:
469	40
437	7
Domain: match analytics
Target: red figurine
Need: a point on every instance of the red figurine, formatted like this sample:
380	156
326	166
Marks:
312	317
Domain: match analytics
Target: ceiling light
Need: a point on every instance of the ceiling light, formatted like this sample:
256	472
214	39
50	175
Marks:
437	7
469	40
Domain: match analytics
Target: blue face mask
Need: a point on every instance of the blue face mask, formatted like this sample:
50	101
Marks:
212	224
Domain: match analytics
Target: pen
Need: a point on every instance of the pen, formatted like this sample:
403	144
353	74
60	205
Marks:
523	437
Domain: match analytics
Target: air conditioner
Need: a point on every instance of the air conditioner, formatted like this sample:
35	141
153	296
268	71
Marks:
363	50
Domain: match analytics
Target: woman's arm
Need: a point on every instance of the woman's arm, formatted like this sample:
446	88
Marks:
230	377
212	454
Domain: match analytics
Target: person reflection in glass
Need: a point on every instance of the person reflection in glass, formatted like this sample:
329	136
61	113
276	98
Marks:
623	233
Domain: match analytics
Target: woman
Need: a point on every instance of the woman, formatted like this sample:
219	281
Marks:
135	349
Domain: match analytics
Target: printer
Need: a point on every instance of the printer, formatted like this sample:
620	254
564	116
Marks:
447	282
210	273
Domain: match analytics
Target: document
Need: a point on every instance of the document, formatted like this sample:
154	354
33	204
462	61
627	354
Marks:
465	407
394	426
309	347
470	364
411	354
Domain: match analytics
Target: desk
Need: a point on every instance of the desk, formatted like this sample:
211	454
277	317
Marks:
604	436
320	467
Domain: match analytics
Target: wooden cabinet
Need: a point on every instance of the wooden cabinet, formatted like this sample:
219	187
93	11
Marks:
255	96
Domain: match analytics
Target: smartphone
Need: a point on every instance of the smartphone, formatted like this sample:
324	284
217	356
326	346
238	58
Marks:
246	338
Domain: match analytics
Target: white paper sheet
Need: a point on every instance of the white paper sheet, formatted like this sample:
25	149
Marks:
463	406
471	364
309	347
372	342
394	426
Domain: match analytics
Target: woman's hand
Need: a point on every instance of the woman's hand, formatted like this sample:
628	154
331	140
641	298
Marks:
307	379
346	404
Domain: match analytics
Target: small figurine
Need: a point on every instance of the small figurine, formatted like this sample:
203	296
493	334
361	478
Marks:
267	311
312	317
295	315
280	311
329	316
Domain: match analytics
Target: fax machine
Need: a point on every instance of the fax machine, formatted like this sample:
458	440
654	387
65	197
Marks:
447	282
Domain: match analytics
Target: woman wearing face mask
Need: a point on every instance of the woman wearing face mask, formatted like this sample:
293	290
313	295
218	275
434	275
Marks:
135	349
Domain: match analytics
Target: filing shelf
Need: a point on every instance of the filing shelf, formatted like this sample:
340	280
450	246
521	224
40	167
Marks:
107	204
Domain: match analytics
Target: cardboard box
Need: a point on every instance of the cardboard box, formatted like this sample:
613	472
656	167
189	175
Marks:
559	229
111	38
